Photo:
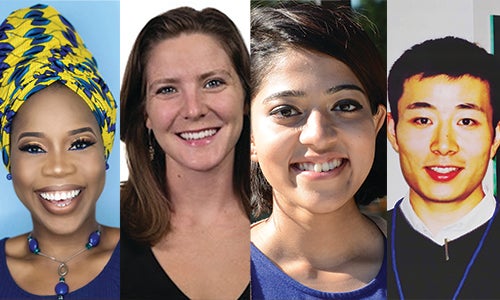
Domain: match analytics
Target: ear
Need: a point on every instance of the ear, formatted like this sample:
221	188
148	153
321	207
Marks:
496	141
253	150
379	117
391	132
148	122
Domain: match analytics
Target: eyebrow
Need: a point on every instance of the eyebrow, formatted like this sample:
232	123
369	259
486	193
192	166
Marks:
283	94
297	93
201	77
341	87
41	135
30	134
81	130
417	105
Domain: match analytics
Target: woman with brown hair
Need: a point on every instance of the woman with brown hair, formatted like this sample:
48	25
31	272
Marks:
185	206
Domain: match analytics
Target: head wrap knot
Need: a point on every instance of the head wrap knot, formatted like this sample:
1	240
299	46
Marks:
38	47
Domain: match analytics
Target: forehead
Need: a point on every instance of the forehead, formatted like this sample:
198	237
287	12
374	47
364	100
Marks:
304	69
186	53
55	106
445	93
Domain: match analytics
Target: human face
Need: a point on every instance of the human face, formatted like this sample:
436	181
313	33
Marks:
58	166
194	102
444	137
313	133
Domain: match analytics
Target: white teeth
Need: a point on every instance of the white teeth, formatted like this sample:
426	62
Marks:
198	135
60	195
320	167
443	170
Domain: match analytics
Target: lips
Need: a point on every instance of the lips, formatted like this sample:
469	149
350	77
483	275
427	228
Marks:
197	135
60	198
443	173
319	167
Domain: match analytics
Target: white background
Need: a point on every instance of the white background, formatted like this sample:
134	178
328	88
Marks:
135	14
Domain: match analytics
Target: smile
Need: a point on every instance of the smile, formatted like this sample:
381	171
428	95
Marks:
190	136
444	170
60	198
443	173
320	167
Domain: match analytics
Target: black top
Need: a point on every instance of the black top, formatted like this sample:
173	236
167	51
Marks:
425	274
143	278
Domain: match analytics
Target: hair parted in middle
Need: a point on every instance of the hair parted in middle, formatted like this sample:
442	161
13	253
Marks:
145	203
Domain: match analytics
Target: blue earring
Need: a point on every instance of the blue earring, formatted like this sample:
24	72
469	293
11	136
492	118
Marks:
9	176
107	166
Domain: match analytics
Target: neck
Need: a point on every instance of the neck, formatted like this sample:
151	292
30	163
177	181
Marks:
438	214
201	195
61	245
317	238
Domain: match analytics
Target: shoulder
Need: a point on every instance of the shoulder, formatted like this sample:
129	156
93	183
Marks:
380	222
111	236
15	247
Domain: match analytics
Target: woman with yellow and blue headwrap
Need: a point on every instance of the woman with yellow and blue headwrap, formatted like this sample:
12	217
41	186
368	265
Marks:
57	125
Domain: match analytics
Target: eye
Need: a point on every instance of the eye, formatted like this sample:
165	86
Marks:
214	83
467	122
32	149
422	121
284	111
166	90
347	106
81	144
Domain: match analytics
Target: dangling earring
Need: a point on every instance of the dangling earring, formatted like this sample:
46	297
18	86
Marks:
150	147
107	166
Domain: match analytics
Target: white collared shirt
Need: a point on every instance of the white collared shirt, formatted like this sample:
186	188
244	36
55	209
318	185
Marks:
475	218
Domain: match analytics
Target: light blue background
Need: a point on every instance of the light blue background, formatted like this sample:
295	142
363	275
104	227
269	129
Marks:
98	23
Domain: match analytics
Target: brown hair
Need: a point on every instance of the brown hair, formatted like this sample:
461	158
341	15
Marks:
336	32
145	204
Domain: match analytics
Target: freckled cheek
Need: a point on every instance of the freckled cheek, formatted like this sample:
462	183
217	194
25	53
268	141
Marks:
229	109
161	115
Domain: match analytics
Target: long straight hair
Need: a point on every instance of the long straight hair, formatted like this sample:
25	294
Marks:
145	204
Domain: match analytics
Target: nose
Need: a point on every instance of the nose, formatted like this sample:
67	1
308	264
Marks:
194	106
444	140
58	164
317	132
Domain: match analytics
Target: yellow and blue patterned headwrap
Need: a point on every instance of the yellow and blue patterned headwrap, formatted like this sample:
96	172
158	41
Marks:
38	47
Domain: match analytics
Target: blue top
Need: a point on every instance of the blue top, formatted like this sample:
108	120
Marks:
270	282
105	286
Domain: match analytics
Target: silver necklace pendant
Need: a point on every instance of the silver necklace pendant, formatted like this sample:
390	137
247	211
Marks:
63	269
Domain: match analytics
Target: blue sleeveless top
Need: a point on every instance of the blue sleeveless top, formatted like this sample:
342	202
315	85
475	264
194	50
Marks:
105	286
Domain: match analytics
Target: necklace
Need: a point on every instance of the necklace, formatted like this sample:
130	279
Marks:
467	269
61	287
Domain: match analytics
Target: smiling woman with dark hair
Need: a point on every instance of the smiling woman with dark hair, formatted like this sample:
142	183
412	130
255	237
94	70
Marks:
318	150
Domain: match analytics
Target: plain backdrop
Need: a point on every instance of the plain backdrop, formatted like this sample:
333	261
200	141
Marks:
135	14
411	22
98	23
